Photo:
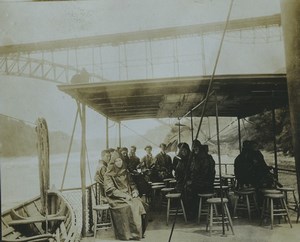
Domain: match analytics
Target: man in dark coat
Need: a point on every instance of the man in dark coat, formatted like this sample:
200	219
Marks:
163	163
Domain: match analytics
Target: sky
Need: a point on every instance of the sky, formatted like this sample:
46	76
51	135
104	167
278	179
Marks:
30	22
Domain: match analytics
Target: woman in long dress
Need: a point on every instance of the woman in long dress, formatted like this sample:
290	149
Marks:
127	209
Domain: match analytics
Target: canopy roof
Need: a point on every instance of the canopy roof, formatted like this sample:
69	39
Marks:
238	96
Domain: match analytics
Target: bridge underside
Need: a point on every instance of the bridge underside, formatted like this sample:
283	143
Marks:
238	96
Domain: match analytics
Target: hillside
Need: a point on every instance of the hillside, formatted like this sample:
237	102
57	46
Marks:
19	139
258	128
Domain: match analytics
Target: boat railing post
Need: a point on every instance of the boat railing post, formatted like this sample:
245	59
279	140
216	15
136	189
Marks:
90	207
83	168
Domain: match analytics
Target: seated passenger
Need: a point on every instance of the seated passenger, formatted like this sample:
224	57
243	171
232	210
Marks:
99	176
147	163
163	163
127	209
124	155
180	162
201	176
250	168
134	161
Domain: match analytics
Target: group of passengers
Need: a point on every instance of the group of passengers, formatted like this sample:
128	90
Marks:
124	178
251	169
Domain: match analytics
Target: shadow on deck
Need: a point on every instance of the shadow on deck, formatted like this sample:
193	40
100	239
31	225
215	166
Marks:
244	230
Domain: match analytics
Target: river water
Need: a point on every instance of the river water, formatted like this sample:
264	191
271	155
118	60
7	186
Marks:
20	176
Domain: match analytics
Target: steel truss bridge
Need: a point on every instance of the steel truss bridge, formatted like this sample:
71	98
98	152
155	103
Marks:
57	61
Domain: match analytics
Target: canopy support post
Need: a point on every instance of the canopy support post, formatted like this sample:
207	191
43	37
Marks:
120	135
192	125
83	166
219	158
274	137
107	134
179	138
290	19
239	131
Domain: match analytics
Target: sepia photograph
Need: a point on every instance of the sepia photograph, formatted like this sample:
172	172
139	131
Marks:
150	120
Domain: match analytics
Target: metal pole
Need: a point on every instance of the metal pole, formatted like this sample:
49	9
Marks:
83	168
179	131
219	158
274	137
107	134
239	131
120	138
192	125
290	19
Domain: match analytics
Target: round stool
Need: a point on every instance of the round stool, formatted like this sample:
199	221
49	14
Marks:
270	191
166	181
172	211
228	180
225	190
164	192
244	202
218	219
155	190
202	202
290	203
102	218
280	210
172	183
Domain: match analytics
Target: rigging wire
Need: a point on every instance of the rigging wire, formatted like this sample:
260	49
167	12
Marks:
139	135
203	111
17	119
69	150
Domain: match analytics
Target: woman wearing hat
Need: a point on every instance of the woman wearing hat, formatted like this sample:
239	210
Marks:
127	209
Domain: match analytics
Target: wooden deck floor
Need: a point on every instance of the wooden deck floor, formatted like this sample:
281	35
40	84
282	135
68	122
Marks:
245	231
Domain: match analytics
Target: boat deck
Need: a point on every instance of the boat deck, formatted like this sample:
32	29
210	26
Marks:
244	230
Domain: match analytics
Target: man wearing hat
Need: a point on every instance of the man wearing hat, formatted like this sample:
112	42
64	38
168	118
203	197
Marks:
163	163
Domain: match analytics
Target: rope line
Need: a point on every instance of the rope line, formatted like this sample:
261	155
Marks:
202	115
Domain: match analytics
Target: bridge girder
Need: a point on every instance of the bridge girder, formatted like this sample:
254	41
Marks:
19	65
145	35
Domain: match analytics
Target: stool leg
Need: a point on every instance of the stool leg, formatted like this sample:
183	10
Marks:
295	200
263	211
248	207
235	206
216	210
282	206
207	217
229	218
298	212
287	213
168	210
211	219
199	210
183	210
255	202
272	212
95	224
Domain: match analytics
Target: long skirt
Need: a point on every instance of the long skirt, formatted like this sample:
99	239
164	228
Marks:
127	219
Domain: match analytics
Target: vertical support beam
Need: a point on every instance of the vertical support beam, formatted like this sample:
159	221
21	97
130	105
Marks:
274	139
219	159
120	135
239	131
290	19
192	125
83	168
179	131
209	133
107	134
